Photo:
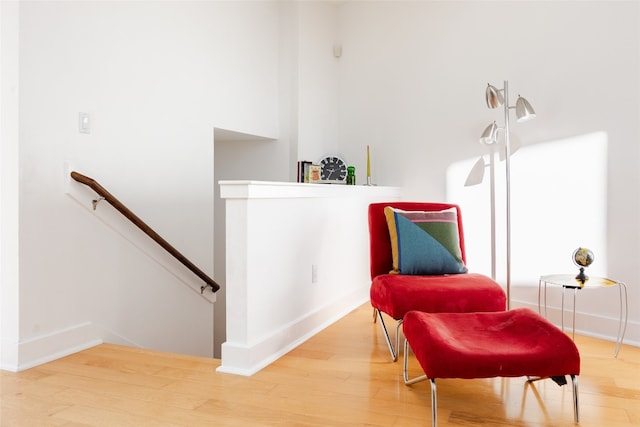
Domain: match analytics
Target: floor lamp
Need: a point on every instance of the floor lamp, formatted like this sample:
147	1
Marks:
496	98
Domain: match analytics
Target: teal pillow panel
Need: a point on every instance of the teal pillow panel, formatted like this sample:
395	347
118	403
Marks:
425	242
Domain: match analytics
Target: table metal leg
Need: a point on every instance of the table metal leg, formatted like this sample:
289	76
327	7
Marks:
573	332
545	300
542	298
562	312
623	307
566	282
539	291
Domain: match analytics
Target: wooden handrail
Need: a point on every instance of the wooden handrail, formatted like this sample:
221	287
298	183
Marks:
108	197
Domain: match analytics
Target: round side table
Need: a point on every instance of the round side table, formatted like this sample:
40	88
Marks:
568	281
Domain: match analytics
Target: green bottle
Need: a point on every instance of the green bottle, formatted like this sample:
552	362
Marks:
351	175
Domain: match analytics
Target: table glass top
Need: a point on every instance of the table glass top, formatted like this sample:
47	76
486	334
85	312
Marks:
570	281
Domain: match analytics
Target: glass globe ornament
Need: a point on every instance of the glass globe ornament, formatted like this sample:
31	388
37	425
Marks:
582	257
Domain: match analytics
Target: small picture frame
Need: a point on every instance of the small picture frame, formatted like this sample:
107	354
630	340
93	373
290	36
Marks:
315	172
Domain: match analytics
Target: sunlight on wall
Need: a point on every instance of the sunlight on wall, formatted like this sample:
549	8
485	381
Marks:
558	203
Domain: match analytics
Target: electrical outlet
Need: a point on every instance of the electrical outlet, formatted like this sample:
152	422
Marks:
314	273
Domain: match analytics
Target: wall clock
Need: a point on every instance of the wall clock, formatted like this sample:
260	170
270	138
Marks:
334	169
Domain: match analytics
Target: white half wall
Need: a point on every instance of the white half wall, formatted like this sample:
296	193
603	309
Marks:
297	261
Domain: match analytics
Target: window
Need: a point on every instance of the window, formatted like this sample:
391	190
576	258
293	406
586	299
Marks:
558	203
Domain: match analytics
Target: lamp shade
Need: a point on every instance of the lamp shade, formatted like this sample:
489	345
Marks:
490	134
524	110
493	96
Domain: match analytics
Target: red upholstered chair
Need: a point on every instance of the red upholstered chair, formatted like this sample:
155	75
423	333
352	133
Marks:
397	294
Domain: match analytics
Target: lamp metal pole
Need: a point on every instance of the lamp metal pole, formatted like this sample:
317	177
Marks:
507	148
492	190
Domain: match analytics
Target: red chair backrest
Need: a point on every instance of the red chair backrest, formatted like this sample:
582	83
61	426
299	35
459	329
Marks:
381	259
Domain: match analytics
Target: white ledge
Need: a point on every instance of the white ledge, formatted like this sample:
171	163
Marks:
275	189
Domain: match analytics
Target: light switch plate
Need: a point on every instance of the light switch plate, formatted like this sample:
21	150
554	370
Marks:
84	123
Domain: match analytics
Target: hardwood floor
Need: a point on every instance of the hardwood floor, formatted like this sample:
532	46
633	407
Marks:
341	377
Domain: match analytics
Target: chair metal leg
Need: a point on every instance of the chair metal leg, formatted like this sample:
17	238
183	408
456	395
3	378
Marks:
576	413
398	324
394	353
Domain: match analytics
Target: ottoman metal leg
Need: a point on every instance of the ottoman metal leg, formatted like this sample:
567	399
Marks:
407	381
405	368
434	404
576	414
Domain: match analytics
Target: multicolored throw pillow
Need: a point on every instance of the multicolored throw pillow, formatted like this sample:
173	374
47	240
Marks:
425	242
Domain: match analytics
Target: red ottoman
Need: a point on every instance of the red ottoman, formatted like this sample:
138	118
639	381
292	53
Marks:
512	343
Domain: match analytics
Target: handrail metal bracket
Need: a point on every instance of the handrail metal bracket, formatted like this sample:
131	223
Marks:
203	287
95	202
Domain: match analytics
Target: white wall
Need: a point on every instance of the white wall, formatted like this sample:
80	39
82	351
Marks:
156	78
9	212
318	81
412	83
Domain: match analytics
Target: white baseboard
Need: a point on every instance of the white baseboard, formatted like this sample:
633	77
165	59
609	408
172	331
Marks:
589	324
51	346
245	360
54	345
242	359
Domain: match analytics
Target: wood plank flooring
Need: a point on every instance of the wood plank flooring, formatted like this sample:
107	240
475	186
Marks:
341	377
